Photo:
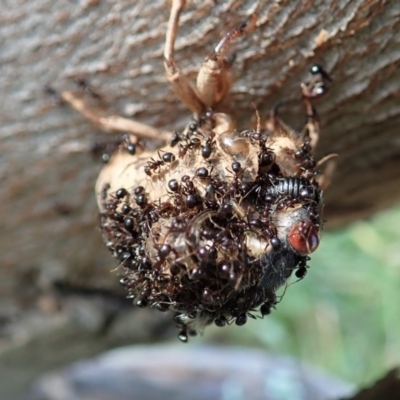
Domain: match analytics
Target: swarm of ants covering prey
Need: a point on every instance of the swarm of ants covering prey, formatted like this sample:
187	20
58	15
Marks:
213	223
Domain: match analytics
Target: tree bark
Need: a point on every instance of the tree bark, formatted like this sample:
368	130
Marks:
47	173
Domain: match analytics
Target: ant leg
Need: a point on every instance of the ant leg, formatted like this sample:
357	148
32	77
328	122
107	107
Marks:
114	123
213	80
180	83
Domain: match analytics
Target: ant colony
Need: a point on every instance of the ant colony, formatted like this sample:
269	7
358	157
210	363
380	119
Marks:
214	222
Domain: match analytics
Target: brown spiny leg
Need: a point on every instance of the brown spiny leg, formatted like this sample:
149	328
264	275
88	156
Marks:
286	142
180	83
114	123
316	87
213	80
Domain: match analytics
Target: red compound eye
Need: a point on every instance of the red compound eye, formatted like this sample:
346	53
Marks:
304	237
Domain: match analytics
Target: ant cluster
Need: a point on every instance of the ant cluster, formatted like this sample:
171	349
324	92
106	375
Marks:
212	224
212	241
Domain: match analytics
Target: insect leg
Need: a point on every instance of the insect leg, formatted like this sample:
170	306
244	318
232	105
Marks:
316	87
180	83
213	80
312	128
114	123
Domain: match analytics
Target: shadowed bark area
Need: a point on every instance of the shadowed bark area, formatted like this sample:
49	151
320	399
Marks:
47	172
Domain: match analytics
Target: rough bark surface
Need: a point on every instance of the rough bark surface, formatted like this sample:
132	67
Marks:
47	173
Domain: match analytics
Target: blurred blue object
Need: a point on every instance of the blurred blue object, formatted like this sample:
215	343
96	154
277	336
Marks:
182	372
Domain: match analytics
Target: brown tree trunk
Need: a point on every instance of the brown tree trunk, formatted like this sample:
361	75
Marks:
47	173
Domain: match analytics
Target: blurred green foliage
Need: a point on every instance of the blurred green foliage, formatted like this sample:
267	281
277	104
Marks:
345	315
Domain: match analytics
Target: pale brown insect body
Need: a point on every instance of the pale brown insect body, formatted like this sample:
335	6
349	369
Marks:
211	227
